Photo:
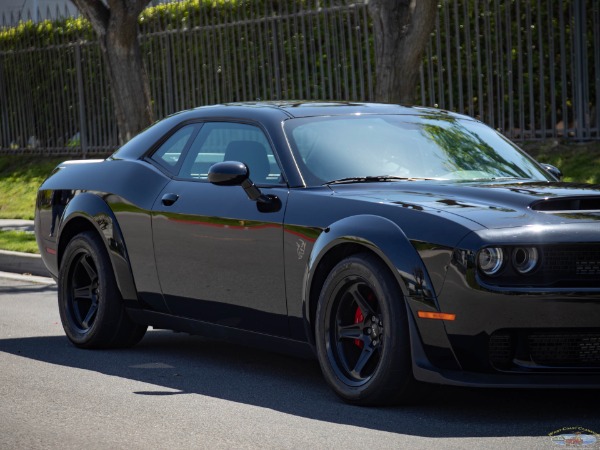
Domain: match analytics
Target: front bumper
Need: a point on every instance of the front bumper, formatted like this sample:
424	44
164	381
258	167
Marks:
539	338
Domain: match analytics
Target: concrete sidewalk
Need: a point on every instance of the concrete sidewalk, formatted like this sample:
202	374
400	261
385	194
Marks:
16	262
16	224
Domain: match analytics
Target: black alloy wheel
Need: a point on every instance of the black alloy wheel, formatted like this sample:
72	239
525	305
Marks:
83	294
90	304
362	333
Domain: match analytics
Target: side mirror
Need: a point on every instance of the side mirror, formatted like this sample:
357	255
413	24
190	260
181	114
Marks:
552	170
228	173
234	173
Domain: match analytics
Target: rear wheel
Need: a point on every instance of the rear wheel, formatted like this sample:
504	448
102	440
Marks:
362	334
89	301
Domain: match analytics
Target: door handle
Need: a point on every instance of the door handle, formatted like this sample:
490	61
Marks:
169	199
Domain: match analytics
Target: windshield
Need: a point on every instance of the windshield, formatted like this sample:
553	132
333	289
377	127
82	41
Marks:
390	147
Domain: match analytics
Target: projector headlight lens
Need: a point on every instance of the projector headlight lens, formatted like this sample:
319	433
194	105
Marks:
525	259
490	260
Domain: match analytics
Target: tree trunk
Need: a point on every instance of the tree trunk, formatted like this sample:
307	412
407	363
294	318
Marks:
117	30
402	29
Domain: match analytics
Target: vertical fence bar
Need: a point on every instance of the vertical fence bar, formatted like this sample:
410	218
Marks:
563	70
319	87
552	68
308	74
359	56
531	115
237	44
286	54
81	96
479	74
350	55
542	78
520	75
499	68
4	139
448	62
328	56
441	97
367	44
580	82
457	45
276	62
489	54
596	28
572	70
509	70
261	61
468	54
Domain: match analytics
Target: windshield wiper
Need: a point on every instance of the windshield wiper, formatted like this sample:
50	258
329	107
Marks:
373	179
491	179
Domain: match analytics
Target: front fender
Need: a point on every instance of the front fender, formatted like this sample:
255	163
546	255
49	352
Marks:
95	211
387	240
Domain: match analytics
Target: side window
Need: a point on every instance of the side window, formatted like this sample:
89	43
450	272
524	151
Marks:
170	151
224	141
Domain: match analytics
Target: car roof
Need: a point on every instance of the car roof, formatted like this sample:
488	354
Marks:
304	108
273	112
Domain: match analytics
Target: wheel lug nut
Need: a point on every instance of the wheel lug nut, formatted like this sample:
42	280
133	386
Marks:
369	331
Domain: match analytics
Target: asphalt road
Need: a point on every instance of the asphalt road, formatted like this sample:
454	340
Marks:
177	391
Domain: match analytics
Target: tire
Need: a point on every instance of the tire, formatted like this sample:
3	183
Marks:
90	304
361	334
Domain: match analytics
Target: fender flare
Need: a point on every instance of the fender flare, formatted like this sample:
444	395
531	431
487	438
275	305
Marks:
375	233
94	209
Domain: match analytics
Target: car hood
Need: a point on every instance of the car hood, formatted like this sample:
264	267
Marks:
491	205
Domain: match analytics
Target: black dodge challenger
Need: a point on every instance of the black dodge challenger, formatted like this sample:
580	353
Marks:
400	245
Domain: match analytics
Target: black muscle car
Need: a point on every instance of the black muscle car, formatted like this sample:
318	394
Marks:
400	245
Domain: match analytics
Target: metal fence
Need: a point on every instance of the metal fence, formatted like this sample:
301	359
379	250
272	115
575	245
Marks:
529	68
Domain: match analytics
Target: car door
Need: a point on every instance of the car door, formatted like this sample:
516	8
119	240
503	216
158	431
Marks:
220	259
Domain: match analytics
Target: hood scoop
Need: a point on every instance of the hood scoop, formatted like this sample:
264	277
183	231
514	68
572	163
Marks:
567	204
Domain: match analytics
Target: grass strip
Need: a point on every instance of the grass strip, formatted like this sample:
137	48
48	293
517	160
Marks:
18	241
20	178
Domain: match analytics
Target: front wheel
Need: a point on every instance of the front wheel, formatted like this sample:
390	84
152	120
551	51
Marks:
362	335
90	304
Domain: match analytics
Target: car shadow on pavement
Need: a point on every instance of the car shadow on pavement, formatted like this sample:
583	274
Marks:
184	364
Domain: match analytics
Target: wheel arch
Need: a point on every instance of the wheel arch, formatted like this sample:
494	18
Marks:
365	233
90	212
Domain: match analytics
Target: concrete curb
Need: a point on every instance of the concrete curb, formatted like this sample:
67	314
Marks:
28	278
17	262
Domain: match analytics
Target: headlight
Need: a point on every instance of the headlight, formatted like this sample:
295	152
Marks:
490	260
524	259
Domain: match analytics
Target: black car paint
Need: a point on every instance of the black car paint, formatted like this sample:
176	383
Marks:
427	233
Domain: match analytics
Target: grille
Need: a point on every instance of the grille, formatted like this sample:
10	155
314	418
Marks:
500	349
573	261
565	349
510	349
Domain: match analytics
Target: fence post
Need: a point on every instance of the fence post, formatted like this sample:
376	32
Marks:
81	96
5	142
276	66
581	77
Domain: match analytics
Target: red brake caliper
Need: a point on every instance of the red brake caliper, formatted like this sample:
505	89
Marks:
358	318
